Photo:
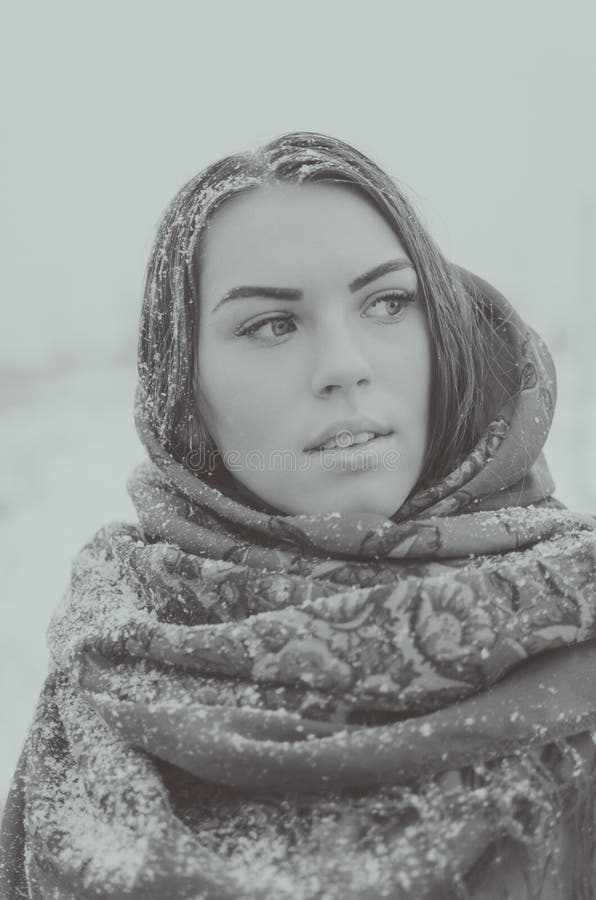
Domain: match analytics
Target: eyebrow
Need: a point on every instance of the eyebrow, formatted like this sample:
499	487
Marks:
278	293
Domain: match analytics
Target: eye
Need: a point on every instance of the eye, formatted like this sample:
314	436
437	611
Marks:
396	303
258	327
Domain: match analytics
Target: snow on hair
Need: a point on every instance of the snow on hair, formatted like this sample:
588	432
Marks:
169	318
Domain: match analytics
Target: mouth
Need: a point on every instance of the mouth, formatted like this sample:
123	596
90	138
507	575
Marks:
346	442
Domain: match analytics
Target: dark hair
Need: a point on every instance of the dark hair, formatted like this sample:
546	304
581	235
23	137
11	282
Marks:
169	318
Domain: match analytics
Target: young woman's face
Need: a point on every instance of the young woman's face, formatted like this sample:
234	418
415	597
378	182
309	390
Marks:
310	327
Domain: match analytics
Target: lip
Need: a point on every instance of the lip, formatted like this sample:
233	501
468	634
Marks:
352	426
358	457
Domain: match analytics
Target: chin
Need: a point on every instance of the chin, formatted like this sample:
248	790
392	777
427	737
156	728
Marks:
384	505
381	501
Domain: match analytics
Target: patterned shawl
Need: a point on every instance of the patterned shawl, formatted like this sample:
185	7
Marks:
247	704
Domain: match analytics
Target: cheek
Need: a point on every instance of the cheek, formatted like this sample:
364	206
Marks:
239	407
409	372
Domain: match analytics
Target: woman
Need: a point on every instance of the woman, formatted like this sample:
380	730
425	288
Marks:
348	651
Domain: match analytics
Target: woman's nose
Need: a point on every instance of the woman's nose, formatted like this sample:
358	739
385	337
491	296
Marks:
339	364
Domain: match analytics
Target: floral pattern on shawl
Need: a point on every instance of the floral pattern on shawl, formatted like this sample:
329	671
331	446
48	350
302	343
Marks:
254	706
450	627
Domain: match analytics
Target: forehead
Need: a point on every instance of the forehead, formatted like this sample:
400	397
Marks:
273	226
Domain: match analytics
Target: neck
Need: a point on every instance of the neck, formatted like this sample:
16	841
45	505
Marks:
238	491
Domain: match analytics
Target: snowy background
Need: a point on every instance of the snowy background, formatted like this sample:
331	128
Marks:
483	112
